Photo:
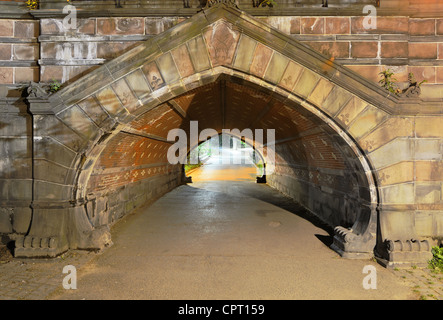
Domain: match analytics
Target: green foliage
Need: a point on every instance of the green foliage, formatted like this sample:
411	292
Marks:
268	2
54	86
32	4
436	262
413	82
388	82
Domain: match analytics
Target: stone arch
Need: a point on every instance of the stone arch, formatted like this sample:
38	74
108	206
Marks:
218	45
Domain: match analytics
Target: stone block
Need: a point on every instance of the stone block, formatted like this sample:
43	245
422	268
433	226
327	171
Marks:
51	126
86	26
439	26
398	173
312	25
351	110
385	25
168	68
295	25
5	52
429	170
27	74
306	84
47	148
6	28
25	52
49	191
26	29
428	193
392	128
394	49
428	127
276	68
20	190
199	54
6	220
153	76
221	39
398	194
364	49
6	75
424	224
109	101
431	91
291	75
366	121
120	26
337	25
439	75
49	73
321	92
93	109
183	61
113	49
422	50
77	120
422	27
51	172
138	83
336	100
397	150
369	72
245	53
428	149
331	49
260	61
127	98
154	26
21	219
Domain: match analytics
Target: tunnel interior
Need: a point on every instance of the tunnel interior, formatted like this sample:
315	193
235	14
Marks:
314	165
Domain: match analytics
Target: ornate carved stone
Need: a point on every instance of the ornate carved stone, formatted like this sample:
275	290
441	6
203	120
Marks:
231	3
395	253
351	245
37	90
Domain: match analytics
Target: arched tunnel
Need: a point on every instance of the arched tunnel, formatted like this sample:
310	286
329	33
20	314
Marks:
104	139
313	164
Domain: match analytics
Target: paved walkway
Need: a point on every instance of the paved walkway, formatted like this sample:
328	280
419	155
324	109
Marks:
222	239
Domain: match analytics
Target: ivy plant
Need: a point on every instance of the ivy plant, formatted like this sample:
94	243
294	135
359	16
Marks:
388	82
436	262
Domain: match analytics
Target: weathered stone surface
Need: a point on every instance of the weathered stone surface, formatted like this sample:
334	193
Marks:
120	26
222	41
124	93
276	68
291	76
422	50
183	61
198	52
394	50
312	25
306	83
245	53
364	49
351	110
260	61
153	76
109	100
6	28
393	152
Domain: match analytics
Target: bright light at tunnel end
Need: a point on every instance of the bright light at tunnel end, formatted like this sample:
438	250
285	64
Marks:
177	153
